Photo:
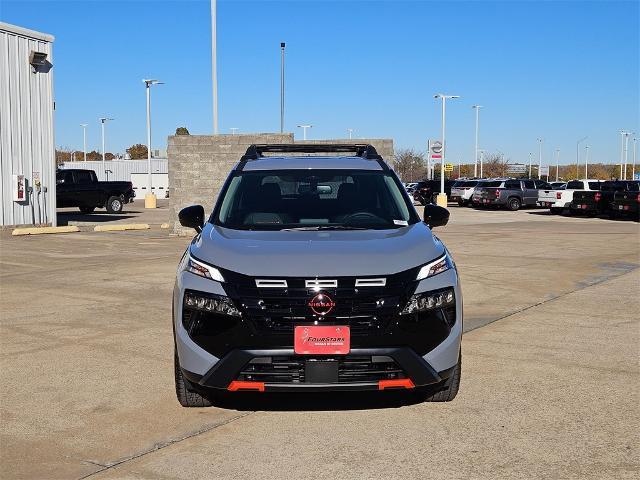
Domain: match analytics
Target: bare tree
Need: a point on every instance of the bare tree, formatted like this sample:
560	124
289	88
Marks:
494	165
409	165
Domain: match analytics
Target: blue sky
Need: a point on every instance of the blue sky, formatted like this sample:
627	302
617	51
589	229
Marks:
550	69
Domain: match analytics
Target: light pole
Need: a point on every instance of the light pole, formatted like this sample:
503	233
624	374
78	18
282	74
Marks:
350	130
481	152
103	120
150	198
557	163
539	157
304	130
530	163
214	66
578	155
626	152
633	166
475	157
586	161
233	130
84	139
282	45
442	196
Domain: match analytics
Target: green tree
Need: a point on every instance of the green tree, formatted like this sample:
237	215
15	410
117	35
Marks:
182	131
137	151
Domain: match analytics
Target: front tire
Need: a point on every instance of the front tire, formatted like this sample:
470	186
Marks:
450	389
114	205
186	398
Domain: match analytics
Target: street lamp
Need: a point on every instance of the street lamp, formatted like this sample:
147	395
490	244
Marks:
84	139
475	158
557	163
350	130
625	147
304	130
633	166
103	120
149	198
282	45
233	130
586	161
214	67
481	162
540	140
442	196
578	155
530	163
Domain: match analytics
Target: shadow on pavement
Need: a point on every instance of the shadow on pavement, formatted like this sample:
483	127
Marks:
99	217
303	402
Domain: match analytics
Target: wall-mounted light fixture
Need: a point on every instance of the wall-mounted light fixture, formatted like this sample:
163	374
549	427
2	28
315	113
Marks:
38	60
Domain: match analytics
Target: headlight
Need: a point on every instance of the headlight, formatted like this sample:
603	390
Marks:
439	265
210	303
202	269
422	302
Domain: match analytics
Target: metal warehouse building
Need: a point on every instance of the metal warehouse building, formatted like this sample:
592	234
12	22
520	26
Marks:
27	148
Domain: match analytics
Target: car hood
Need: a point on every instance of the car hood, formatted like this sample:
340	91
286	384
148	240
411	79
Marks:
317	253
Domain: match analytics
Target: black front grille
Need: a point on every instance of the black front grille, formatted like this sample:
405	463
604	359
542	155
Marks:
277	310
351	369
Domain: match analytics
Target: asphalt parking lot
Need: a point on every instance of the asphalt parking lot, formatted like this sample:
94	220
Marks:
550	384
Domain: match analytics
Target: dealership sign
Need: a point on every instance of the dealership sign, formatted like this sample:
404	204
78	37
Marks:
435	149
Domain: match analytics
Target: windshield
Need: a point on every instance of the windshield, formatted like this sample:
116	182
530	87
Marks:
313	200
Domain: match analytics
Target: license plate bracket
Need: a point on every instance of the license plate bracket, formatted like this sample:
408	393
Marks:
321	371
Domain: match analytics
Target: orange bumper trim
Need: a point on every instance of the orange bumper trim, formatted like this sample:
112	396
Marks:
399	383
237	385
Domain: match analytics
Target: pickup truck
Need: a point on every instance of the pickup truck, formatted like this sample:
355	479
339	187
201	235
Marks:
81	188
462	190
510	194
559	200
626	202
427	190
600	202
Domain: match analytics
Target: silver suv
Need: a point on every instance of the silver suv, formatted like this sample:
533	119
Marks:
314	272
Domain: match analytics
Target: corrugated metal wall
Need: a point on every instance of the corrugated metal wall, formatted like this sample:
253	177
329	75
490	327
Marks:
26	126
121	170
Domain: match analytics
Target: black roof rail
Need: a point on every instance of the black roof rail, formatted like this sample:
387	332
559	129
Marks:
363	150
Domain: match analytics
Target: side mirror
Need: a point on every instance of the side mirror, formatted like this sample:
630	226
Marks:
192	217
435	216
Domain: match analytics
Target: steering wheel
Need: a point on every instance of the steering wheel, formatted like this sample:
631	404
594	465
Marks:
360	216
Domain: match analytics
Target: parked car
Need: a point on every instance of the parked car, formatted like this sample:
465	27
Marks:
510	194
558	185
427	190
626	202
600	202
557	200
81	188
410	187
462	190
349	290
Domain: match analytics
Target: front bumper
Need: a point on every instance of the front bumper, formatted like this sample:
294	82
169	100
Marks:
423	356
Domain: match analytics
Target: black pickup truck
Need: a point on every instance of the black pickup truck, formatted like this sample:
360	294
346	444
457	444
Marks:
626	202
81	188
426	191
602	202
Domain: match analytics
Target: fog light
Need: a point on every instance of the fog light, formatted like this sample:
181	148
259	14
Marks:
429	301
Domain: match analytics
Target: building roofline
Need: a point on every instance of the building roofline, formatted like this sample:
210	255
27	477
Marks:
25	32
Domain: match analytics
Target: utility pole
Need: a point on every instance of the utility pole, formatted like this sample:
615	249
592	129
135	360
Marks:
578	155
214	65
304	130
282	45
84	139
475	157
442	196
150	199
586	161
540	158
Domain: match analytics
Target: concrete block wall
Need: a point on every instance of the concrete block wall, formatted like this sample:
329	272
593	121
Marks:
199	165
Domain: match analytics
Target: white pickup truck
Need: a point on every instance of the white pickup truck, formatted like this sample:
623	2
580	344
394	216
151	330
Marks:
558	200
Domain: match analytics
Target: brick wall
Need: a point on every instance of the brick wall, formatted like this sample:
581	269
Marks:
199	165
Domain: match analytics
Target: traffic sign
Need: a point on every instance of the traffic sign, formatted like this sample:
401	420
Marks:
448	167
544	171
516	168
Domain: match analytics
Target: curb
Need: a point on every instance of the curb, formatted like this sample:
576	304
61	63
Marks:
44	230
122	227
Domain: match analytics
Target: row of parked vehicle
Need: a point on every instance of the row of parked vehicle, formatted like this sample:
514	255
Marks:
590	196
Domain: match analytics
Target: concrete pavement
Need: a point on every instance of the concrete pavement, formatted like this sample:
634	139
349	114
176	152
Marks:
548	391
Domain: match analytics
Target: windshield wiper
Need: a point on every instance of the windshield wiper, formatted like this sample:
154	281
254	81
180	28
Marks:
321	227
